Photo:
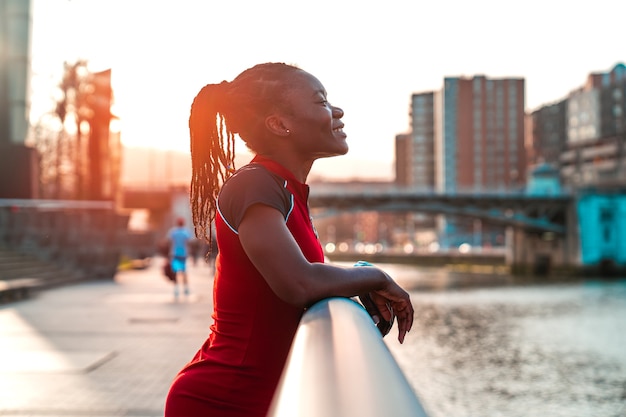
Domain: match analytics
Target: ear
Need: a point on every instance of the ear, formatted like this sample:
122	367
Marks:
276	125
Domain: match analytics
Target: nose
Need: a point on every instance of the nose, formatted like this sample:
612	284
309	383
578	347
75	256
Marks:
337	112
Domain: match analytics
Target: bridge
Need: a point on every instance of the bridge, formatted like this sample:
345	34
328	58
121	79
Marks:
539	213
539	228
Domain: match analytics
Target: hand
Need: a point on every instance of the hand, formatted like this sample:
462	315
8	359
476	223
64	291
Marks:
384	326
399	301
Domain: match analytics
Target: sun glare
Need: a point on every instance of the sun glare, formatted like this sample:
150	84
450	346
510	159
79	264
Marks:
162	53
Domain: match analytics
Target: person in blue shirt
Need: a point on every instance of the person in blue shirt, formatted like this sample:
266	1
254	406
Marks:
179	238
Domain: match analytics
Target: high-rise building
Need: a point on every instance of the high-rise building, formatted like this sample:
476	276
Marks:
482	134
15	33
594	153
467	137
18	162
479	147
422	139
547	134
415	155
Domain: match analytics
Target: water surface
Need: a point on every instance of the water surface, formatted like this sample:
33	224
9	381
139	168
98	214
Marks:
514	351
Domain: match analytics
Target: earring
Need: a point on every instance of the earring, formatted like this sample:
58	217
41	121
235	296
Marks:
288	131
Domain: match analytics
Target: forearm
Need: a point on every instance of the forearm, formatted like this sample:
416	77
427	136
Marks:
328	280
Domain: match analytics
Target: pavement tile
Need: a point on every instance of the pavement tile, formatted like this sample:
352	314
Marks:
102	348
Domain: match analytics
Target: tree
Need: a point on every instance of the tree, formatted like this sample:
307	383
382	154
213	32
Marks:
82	160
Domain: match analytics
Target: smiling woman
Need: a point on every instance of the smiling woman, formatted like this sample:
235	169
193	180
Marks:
270	263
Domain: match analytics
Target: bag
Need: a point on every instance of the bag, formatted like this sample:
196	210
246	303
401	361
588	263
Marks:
168	271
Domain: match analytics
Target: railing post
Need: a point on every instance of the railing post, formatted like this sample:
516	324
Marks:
339	366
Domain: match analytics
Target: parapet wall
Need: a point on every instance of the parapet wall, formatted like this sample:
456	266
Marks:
82	235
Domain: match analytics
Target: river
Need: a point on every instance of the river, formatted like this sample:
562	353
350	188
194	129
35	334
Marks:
513	350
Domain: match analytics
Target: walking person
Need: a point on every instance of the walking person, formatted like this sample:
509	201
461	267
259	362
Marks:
270	264
179	238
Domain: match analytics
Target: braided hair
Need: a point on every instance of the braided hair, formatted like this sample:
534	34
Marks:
220	111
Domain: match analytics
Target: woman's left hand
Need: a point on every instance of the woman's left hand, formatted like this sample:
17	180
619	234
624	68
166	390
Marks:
399	301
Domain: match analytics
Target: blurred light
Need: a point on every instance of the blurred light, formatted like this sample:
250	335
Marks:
465	247
330	247
408	248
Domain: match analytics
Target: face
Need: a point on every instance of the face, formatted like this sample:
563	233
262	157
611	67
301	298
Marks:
315	126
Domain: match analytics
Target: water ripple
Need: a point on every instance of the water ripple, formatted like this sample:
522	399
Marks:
549	351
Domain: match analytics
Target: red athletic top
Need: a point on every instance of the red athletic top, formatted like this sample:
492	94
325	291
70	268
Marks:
236	371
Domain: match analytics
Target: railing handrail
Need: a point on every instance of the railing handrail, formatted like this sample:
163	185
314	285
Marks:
339	366
56	204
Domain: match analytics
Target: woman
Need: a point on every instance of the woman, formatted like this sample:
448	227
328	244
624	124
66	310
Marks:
270	266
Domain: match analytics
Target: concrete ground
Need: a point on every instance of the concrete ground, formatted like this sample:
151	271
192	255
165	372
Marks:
103	348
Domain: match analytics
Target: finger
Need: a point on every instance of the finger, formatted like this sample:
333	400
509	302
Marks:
401	334
407	317
382	304
385	312
401	329
405	322
405	308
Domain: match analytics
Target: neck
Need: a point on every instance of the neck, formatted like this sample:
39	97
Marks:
298	167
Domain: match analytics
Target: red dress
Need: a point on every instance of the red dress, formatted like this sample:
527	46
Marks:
236	371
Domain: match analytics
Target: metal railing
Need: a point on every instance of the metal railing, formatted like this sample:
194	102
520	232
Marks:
56	204
339	366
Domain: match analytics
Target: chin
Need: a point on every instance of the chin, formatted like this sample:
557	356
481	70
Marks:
333	154
342	148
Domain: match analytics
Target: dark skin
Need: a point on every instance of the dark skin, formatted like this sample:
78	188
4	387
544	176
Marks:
311	129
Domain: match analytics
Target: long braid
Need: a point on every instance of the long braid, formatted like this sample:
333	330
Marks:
212	157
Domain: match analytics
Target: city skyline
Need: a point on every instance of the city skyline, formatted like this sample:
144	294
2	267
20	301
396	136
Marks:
371	61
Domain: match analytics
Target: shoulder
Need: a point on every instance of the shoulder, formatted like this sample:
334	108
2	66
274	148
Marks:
252	175
252	184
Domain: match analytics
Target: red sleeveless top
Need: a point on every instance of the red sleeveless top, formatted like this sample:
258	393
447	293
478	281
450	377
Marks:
236	371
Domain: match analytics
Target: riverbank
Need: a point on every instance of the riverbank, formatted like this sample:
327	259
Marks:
492	263
423	259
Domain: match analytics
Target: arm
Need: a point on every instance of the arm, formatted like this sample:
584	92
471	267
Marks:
275	253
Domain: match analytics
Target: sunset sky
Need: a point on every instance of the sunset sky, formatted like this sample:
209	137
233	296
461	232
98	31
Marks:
371	56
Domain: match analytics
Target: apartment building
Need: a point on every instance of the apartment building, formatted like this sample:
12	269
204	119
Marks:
482	135
583	135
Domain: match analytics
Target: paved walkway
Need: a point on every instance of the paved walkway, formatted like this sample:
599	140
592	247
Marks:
102	349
